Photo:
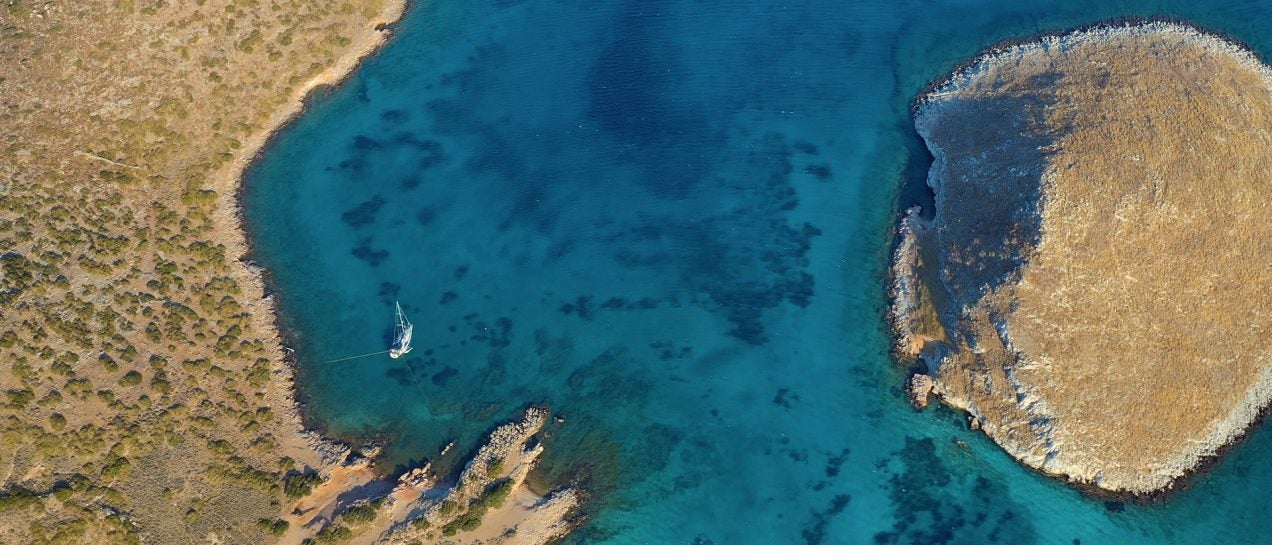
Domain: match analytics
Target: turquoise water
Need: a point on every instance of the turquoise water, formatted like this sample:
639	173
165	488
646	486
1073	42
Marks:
668	220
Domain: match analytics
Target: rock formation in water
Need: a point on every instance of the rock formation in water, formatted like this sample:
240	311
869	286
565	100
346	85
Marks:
1094	286
489	503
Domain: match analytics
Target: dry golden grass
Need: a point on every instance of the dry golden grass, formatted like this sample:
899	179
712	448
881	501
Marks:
1125	338
137	363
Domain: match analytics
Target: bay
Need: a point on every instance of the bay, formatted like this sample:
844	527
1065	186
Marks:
669	221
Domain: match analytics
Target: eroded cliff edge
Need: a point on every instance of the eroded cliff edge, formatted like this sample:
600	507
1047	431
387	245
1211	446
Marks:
1094	286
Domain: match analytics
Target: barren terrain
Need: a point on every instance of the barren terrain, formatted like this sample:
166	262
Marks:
1099	257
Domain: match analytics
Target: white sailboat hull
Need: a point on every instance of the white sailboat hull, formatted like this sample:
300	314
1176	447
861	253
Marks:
402	337
403	344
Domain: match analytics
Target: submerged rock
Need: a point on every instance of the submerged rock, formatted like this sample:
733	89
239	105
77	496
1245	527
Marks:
1094	286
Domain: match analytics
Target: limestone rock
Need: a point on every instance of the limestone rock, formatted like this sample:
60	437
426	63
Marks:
371	450
419	478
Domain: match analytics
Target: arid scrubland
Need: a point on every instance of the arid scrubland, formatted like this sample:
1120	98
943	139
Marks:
144	398
1095	288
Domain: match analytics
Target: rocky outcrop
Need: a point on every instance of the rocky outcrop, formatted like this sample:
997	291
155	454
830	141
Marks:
488	503
430	512
509	442
915	307
918	388
1093	287
419	478
904	288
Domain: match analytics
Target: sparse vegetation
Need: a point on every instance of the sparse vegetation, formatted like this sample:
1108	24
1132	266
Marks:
18	499
334	534
496	466
131	378
492	497
275	527
495	495
361	513
298	485
135	362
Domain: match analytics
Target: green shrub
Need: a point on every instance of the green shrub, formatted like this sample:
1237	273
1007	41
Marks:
275	527
117	467
494	496
19	498
19	399
244	475
468	521
359	514
78	387
131	378
259	374
159	383
62	368
334	534
108	362
52	398
298	485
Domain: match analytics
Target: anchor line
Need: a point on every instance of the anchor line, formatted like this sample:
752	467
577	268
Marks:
358	356
416	380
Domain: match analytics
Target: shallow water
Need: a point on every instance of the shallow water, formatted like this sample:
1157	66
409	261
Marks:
669	221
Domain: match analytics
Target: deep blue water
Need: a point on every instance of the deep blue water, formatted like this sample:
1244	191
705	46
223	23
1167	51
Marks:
668	220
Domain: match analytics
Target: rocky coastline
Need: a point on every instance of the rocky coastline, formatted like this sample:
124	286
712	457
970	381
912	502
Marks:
308	444
1025	252
125	206
337	462
488	503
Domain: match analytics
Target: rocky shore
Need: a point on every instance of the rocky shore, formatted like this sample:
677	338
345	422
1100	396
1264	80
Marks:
488	503
151	398
502	463
301	442
298	441
1093	285
416	496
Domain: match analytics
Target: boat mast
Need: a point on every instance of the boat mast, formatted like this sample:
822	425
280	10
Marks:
401	316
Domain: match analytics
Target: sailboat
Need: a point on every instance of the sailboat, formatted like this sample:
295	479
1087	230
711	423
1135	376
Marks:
401	334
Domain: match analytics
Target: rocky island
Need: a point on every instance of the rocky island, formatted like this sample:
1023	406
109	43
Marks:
1093	286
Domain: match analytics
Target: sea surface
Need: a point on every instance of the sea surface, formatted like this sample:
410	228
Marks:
669	222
